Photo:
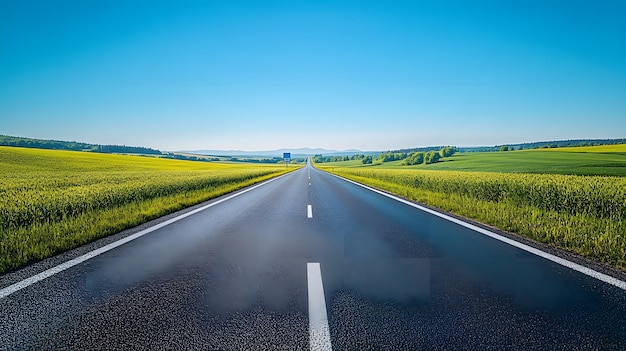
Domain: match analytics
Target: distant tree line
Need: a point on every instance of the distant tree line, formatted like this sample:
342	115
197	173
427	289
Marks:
202	158
74	146
546	145
419	149
176	156
410	158
322	159
391	156
428	157
419	156
122	149
6	140
260	160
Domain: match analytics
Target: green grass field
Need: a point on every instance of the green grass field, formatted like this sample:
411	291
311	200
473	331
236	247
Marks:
609	160
601	149
52	201
536	193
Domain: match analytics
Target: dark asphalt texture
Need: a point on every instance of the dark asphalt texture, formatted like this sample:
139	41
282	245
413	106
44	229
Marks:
233	277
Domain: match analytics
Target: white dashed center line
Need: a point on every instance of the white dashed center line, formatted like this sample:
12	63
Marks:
309	211
319	333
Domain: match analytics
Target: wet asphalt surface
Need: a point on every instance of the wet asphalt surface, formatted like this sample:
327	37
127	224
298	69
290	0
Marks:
234	277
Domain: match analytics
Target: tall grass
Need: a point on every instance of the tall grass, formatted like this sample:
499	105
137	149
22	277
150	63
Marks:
52	201
584	214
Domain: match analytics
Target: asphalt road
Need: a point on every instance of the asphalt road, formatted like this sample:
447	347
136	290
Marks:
243	275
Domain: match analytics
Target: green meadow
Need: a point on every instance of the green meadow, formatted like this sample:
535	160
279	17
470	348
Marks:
52	201
608	160
549	161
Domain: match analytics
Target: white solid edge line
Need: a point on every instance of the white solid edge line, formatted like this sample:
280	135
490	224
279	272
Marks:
309	211
63	266
319	332
569	264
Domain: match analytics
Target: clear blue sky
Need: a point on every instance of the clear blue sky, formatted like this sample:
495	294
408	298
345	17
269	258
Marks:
259	75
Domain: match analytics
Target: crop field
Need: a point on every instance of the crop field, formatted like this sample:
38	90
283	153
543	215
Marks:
52	201
583	214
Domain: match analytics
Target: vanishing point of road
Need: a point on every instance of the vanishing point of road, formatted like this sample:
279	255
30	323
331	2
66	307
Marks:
308	261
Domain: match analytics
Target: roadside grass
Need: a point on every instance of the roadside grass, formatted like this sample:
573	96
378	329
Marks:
586	215
52	201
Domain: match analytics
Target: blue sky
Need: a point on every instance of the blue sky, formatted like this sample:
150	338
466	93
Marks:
258	75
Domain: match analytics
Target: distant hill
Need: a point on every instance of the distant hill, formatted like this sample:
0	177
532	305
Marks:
6	140
269	155
419	149
295	152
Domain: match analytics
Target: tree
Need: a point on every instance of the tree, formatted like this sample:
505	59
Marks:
414	158
447	151
431	157
504	148
391	156
367	160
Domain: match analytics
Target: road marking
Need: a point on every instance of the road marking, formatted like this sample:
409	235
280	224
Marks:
319	332
71	263
569	264
309	211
